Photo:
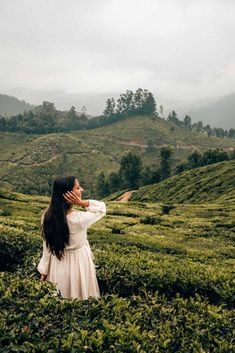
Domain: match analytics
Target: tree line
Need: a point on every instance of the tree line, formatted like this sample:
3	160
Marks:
46	118
128	104
133	173
197	159
197	126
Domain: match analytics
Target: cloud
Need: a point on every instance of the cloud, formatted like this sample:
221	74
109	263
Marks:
180	48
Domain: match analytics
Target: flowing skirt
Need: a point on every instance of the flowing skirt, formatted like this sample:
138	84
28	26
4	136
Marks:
75	274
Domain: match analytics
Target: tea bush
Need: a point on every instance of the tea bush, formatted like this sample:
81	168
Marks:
15	245
166	286
141	323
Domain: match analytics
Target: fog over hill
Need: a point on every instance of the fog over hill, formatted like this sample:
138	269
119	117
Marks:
11	105
220	113
216	111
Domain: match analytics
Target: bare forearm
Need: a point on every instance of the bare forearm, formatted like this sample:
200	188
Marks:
84	203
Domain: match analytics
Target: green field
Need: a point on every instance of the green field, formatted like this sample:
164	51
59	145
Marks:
29	163
204	184
167	281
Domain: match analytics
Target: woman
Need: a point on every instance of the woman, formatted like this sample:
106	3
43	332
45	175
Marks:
67	259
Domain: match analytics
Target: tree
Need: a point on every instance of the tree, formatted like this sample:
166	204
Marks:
83	119
199	126
172	118
2	123
162	112
72	119
49	123
181	167
114	181
46	115
219	132
130	104
187	121
47	108
126	104
109	108
165	163
214	156
138	100
231	133
150	174
102	185
208	130
149	106
130	169
195	159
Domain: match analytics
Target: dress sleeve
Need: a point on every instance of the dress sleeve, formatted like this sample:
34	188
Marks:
43	265
95	211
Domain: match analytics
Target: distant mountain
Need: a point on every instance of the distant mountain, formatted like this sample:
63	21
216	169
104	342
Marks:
205	184
10	105
94	102
220	113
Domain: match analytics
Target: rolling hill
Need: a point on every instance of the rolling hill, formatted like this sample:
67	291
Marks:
10	105
29	163
215	182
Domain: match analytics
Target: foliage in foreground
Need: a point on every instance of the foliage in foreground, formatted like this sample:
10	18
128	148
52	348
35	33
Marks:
166	282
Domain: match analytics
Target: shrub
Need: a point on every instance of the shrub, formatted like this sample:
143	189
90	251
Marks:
150	220
167	208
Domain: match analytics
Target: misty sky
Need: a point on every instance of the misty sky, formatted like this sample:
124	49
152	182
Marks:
180	49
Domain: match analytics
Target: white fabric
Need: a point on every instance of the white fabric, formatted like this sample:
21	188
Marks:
75	274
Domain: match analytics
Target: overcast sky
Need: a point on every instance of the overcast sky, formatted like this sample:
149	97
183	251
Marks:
180	49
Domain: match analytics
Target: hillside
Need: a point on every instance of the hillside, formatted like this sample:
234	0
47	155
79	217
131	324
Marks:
218	114
215	182
30	162
11	105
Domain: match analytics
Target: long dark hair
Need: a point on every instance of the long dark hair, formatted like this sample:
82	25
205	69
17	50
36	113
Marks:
54	227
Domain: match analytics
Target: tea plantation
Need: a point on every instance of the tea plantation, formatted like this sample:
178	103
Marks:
166	275
214	182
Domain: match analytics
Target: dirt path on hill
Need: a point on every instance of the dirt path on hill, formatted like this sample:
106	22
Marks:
177	145
125	196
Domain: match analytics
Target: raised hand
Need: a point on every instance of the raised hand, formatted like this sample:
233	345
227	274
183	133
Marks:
72	198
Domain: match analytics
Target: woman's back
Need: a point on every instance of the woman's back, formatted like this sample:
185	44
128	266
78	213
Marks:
77	233
79	221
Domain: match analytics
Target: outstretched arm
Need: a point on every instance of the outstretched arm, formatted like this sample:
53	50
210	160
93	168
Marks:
95	211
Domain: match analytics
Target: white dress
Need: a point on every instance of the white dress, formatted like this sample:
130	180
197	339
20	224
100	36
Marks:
75	274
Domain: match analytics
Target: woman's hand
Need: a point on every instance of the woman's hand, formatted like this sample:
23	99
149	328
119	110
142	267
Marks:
43	277
73	198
